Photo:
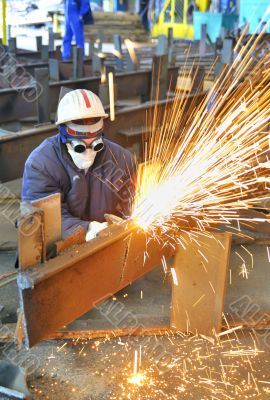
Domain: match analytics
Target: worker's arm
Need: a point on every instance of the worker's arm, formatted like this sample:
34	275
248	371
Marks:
127	190
38	183
84	7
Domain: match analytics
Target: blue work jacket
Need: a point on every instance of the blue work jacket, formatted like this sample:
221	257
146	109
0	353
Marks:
107	187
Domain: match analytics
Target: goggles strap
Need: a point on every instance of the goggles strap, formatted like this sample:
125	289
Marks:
67	134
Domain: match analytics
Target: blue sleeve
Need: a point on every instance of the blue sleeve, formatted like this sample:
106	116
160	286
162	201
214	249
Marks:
84	8
37	183
128	188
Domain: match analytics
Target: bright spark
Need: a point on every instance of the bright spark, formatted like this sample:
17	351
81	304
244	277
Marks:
209	165
137	379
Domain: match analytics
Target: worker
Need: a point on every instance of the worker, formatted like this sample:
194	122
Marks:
77	13
144	14
93	174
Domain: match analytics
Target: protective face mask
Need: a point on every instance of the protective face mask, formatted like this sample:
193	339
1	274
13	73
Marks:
82	160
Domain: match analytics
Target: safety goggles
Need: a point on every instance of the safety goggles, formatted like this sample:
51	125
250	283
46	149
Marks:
79	146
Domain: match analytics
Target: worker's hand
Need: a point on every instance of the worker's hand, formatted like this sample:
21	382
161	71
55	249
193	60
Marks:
94	228
113	219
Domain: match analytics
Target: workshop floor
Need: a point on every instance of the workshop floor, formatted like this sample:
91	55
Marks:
235	366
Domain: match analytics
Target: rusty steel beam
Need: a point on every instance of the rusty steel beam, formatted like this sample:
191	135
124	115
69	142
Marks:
66	69
20	102
198	305
6	337
20	145
29	54
55	293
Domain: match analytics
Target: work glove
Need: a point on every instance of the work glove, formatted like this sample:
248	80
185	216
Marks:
94	228
113	219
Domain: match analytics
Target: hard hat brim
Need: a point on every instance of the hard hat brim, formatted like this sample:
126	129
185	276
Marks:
64	120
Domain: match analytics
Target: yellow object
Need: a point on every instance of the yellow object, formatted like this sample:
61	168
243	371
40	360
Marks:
4	21
56	28
174	15
111	95
202	4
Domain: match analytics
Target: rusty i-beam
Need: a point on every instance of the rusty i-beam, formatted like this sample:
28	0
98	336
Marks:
53	293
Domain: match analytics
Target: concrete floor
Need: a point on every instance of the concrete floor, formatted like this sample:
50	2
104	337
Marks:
236	367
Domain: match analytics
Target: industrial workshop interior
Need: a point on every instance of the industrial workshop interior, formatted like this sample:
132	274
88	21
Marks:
135	199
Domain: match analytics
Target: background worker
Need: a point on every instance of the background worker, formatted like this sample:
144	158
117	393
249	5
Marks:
94	175
77	14
144	14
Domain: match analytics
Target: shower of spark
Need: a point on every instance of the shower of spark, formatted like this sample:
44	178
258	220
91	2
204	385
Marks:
136	379
206	162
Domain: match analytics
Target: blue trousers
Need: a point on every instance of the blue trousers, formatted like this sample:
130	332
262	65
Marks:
73	27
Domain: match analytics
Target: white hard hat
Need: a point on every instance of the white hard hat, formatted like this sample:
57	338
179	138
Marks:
79	104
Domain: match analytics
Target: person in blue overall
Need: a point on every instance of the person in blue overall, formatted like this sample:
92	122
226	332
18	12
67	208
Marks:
94	175
77	13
